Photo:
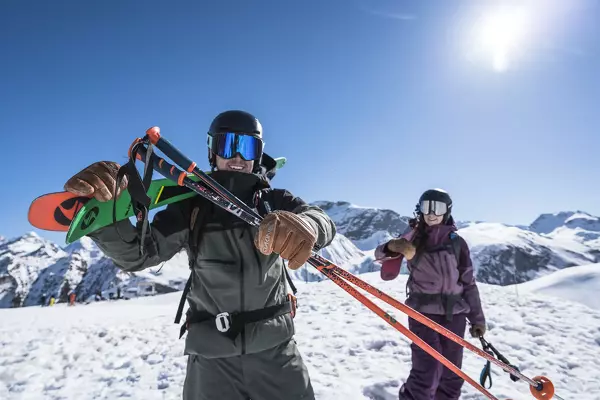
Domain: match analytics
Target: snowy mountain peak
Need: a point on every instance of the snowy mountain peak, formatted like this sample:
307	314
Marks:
31	244
548	223
505	254
365	226
21	262
85	246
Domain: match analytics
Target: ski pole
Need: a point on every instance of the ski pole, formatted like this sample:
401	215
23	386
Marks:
541	388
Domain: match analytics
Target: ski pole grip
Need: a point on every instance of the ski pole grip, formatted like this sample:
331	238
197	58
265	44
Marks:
165	168
169	150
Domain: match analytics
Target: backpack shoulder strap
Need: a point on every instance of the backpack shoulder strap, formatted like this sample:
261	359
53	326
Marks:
456	245
198	214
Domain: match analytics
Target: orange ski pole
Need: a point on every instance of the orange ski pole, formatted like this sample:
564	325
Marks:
541	387
338	280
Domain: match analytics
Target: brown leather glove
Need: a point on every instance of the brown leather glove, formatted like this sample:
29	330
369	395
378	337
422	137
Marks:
288	235
402	246
477	330
98	179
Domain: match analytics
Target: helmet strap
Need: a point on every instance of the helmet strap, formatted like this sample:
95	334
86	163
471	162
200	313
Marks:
212	160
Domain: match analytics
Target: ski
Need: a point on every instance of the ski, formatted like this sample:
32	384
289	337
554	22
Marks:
540	386
57	211
79	215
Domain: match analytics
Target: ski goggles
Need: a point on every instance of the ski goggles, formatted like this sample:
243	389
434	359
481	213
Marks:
227	145
438	208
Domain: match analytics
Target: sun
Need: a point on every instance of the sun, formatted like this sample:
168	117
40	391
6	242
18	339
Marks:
501	33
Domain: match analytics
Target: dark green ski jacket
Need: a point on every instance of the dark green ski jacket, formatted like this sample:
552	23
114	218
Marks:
229	274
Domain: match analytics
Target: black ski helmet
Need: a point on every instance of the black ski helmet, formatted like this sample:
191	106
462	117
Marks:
437	195
237	121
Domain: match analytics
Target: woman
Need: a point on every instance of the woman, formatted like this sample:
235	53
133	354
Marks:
442	286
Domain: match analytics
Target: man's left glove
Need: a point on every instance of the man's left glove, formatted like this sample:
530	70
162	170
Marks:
288	235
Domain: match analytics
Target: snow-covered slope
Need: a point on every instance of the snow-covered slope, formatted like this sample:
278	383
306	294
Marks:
365	226
344	254
580	284
21	261
568	227
502	254
130	349
66	274
547	223
31	267
104	277
506	254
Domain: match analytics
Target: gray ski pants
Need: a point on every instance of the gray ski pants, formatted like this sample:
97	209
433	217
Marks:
274	374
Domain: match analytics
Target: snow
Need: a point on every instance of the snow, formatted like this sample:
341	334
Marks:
130	348
342	252
87	246
21	262
580	284
374	240
490	236
367	227
547	223
176	269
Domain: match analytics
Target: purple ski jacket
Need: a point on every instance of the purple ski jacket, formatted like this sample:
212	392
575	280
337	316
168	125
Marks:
437	283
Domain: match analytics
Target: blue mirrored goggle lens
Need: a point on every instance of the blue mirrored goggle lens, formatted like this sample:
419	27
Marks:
227	145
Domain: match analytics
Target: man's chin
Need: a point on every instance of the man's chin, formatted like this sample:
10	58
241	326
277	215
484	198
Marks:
242	171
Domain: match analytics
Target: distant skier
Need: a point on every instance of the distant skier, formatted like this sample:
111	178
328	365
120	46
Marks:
43	300
441	285
52	301
240	318
72	299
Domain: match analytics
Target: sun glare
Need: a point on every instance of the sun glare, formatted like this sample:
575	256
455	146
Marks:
501	33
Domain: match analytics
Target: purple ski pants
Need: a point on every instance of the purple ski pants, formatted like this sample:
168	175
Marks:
428	378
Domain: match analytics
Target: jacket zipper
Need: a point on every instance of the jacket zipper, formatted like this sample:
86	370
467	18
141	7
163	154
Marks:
441	261
258	264
242	309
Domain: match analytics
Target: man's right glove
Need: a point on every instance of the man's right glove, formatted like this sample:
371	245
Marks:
98	179
288	235
402	246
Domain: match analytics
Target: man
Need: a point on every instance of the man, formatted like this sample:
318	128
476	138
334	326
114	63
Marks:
235	268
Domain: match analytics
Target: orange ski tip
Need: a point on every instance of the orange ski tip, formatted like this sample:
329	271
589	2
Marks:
547	390
154	134
55	211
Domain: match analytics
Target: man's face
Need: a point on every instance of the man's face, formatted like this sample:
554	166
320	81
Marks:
237	164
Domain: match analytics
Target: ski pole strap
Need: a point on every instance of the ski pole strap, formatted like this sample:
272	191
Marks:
137	187
487	369
486	372
505	361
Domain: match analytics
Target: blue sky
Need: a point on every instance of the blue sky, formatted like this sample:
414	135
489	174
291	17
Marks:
372	102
